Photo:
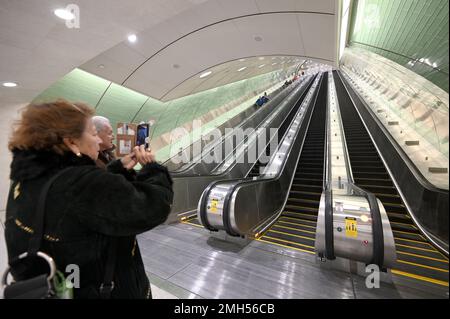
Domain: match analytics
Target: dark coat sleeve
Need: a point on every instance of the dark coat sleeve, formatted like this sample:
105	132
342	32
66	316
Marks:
115	204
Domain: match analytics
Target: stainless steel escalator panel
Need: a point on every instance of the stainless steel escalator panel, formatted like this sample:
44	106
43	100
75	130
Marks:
256	201
188	189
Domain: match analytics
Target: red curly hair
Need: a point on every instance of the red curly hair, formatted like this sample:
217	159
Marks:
43	126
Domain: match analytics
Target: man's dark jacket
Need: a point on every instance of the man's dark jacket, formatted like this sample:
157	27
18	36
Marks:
87	207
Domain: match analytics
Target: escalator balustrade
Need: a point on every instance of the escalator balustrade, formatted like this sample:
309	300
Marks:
416	257
296	226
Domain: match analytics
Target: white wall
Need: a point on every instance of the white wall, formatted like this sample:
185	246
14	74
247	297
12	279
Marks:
8	113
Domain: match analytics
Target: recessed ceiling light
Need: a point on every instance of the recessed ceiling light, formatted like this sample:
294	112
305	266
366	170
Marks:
205	74
132	38
261	65
176	66
9	84
242	69
258	39
64	14
101	66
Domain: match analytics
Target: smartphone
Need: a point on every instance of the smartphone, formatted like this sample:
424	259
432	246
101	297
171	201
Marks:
142	137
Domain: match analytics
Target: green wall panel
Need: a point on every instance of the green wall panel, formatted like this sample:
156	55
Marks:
76	86
413	33
120	104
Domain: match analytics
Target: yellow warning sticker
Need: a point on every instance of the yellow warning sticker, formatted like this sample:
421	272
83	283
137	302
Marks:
213	206
351	229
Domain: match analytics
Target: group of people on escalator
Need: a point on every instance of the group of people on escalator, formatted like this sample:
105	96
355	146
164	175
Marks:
95	204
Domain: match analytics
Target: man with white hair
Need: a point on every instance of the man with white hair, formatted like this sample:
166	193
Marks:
105	133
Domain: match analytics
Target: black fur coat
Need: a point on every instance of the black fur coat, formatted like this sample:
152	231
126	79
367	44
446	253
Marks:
86	208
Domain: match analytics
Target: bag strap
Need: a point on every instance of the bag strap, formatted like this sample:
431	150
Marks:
38	225
34	245
107	285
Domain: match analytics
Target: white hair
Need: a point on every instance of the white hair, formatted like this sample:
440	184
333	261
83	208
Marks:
100	122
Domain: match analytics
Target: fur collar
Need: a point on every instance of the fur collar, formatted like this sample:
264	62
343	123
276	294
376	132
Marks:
30	164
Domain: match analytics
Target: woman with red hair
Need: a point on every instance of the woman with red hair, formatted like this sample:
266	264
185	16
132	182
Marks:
91	214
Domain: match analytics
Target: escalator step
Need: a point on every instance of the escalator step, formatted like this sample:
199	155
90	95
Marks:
373	181
290	233
425	253
315	195
364	163
297	228
399	217
311	169
421	267
310	164
407	235
311	175
374	169
411	242
404	227
312	181
391	198
299	219
299	205
379	189
394	208
304	215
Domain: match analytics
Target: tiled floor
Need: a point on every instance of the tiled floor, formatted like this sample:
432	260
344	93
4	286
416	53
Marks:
187	262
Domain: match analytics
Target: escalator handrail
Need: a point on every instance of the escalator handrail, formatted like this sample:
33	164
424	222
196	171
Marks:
223	125
377	230
240	182
209	146
377	226
183	175
326	186
205	195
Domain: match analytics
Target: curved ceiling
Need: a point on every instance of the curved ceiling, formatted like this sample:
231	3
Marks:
167	59
177	41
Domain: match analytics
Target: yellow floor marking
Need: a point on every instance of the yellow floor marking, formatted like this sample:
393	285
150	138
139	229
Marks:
296	229
192	224
422	266
421	256
280	232
423	278
422	249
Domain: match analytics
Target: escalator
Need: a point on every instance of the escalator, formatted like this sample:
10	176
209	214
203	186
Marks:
296	226
256	169
416	257
258	166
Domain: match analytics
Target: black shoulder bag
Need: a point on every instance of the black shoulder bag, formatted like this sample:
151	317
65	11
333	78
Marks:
45	286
